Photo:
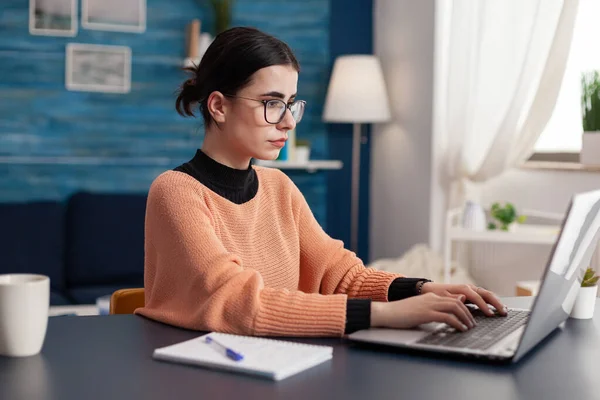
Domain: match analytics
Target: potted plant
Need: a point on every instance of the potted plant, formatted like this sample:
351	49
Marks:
590	117
584	305
222	12
506	217
302	151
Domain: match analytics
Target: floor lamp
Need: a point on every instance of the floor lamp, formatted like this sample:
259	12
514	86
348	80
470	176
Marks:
357	95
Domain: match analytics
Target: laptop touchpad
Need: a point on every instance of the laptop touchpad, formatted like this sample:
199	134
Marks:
394	336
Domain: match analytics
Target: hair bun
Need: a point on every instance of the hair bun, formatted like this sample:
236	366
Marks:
188	97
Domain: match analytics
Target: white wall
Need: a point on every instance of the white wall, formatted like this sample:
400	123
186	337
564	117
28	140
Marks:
401	150
407	202
539	189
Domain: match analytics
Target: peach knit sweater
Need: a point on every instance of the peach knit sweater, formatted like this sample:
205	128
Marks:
264	267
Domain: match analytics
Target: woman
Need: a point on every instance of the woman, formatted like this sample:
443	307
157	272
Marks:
234	248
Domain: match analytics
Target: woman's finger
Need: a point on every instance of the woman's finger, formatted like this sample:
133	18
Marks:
459	297
491	298
457	308
449	319
474	297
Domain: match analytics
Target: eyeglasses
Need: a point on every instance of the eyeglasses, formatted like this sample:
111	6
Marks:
275	109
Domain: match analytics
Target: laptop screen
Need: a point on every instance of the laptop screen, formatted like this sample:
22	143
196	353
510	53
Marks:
570	257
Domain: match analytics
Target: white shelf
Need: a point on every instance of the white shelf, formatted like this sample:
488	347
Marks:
532	234
310	166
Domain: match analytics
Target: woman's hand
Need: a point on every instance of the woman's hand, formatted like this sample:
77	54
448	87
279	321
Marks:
463	292
417	310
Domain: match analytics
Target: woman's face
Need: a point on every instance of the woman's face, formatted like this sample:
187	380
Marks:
245	128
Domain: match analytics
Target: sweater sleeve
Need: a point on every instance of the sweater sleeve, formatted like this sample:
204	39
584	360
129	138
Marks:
326	262
192	281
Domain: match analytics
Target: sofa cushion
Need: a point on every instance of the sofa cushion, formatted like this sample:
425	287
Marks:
105	239
58	299
32	240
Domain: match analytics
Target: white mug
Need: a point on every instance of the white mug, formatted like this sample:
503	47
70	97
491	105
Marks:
24	305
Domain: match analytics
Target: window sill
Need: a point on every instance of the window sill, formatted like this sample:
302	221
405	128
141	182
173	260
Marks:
559	166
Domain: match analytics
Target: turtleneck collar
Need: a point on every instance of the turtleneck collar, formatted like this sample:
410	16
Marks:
236	185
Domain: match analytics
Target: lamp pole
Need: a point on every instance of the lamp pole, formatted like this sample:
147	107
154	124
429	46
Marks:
356	143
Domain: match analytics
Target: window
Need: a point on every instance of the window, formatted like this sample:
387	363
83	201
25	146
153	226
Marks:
561	140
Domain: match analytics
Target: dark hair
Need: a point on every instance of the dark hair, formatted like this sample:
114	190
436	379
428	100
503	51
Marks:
228	64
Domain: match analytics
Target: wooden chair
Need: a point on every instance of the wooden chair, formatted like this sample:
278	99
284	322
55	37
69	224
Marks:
125	301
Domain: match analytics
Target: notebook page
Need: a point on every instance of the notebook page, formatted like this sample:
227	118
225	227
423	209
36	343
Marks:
272	358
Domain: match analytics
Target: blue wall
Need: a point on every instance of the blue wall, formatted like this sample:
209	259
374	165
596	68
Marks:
350	32
121	142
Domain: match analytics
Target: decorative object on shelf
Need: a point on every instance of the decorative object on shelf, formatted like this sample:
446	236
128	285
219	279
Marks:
474	216
193	44
284	153
222	13
288	152
585	302
98	68
291	143
197	44
590	112
53	17
506	216
356	94
114	15
302	151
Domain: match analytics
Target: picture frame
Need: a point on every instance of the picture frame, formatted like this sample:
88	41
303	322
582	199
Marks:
114	15
98	68
53	17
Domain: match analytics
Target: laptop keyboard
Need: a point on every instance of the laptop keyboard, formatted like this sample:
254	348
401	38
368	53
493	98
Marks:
488	331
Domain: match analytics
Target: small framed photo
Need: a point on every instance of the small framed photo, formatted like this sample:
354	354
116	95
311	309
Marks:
98	68
53	17
114	15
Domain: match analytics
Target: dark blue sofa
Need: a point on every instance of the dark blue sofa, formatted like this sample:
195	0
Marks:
90	245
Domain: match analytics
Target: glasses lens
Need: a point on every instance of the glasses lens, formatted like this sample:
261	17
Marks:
297	110
274	110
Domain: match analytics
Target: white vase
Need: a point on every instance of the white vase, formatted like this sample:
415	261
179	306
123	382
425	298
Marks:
302	154
590	148
473	216
585	303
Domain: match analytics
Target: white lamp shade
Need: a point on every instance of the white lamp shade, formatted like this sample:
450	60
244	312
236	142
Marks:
356	92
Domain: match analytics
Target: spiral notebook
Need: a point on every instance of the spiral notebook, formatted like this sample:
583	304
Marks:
268	358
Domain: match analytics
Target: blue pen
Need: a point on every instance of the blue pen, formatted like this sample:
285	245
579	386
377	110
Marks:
234	355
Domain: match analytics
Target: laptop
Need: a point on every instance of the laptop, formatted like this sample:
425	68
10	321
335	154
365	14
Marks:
508	339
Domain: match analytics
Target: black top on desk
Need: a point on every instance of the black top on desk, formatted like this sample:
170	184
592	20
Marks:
110	357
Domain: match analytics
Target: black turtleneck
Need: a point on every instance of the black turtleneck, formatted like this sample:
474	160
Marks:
236	185
240	186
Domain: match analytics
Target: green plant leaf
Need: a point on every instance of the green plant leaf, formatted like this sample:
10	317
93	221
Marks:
506	214
521	219
590	101
589	278
491	226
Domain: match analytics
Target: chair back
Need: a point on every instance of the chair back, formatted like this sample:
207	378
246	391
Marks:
125	301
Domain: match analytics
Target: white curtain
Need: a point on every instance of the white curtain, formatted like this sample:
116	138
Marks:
502	64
